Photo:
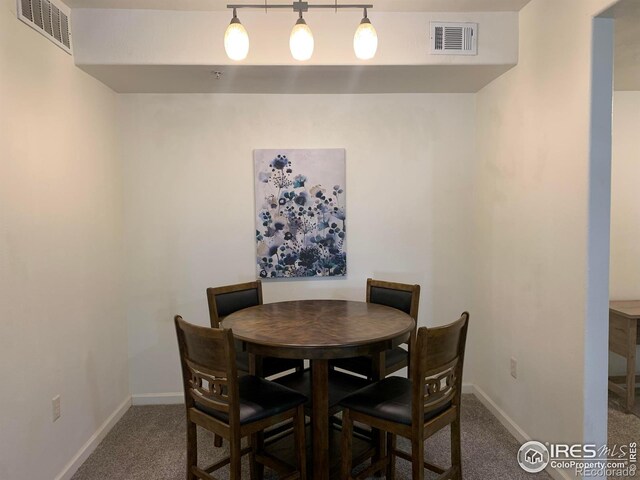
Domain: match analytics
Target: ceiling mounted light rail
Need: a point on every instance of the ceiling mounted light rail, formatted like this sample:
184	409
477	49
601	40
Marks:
301	43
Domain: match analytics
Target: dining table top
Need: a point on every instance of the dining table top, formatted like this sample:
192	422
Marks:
319	328
626	308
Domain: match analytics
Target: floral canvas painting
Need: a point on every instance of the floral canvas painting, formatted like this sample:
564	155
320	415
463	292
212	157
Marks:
300	213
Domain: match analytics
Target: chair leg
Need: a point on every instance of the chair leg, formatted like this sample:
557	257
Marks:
417	458
300	440
192	449
347	427
391	448
235	465
217	441
378	437
257	445
456	449
252	457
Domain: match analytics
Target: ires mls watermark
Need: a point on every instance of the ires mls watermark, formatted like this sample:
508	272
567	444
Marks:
585	460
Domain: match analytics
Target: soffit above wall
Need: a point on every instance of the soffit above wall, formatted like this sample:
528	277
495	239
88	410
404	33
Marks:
296	79
627	45
379	5
130	51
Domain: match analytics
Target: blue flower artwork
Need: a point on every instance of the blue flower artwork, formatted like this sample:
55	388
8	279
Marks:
300	213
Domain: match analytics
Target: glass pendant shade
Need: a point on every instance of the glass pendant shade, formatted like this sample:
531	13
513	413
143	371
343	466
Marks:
365	41
236	40
301	41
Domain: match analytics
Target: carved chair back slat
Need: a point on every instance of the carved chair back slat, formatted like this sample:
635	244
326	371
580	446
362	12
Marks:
209	374
439	357
209	387
440	385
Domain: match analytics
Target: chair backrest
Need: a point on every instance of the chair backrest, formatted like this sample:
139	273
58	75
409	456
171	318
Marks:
397	295
438	358
209	376
225	300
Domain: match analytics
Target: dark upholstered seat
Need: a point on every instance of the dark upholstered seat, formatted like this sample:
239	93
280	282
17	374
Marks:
340	385
389	399
233	407
363	365
270	365
259	398
400	296
413	408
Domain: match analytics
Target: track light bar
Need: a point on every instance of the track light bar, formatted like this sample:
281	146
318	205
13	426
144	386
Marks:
300	6
301	42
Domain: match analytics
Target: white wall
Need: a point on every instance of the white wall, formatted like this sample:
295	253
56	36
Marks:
533	231
625	205
507	231
190	208
61	309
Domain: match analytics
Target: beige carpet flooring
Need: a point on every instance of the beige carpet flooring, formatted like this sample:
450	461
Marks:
624	428
149	443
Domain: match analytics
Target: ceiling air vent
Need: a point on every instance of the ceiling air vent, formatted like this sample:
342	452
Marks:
49	19
454	38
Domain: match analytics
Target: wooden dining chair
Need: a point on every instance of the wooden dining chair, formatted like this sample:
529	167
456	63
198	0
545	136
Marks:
415	408
233	407
396	295
226	300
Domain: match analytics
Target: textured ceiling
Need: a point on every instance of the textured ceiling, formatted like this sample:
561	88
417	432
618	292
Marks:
381	5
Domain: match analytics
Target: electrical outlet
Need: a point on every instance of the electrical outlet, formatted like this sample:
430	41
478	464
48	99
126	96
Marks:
514	368
55	404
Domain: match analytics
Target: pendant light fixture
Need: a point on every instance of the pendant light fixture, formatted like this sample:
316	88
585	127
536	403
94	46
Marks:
236	39
301	42
365	41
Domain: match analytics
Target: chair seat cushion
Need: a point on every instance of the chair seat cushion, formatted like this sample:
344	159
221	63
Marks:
270	365
364	365
388	399
340	385
259	398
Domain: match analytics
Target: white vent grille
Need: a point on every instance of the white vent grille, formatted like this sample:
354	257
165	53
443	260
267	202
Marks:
454	38
47	18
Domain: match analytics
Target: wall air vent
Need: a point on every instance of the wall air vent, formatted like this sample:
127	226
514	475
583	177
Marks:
454	38
49	19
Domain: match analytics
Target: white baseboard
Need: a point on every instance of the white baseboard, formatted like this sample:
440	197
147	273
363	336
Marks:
513	428
86	450
171	398
505	420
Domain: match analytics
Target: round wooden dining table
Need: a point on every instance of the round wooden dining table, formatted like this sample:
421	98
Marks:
320	330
